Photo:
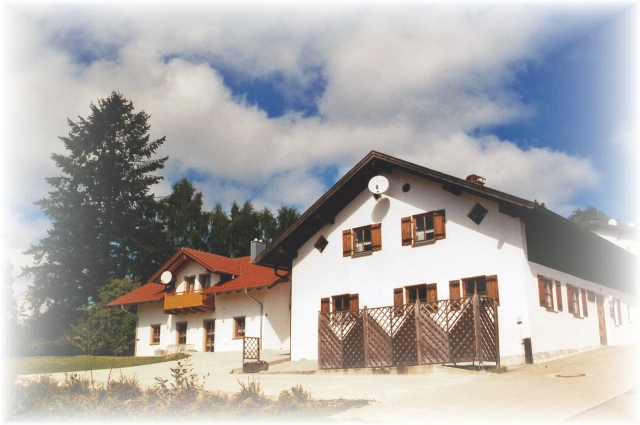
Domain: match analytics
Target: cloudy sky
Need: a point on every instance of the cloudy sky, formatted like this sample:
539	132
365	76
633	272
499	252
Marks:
274	104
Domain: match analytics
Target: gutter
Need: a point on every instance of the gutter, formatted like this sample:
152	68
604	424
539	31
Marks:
246	292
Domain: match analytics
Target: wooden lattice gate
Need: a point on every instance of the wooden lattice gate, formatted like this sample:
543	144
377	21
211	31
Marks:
447	331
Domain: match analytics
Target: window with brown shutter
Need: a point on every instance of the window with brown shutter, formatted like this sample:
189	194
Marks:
325	305
573	300
341	302
585	312
545	292
559	295
354	302
492	288
423	228
362	240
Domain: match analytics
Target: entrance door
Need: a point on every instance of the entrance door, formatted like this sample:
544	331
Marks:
210	333
601	323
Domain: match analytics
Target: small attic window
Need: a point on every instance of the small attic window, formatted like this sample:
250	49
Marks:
478	213
321	243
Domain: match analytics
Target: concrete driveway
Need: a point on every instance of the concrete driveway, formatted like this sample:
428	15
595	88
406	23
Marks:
554	391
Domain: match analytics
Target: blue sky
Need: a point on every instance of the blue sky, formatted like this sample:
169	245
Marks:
273	105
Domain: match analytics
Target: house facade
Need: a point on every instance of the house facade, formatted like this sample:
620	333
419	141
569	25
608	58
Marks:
210	303
431	238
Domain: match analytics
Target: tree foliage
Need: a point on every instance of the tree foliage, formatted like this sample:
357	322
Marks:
101	209
588	215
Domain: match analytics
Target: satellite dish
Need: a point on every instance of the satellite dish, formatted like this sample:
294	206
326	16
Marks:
165	277
378	185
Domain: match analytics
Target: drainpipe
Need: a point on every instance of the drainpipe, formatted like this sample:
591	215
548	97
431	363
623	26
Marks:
261	310
135	342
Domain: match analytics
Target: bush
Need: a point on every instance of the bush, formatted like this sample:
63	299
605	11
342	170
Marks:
293	399
250	397
125	388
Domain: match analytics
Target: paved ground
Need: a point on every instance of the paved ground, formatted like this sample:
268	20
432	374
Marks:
597	384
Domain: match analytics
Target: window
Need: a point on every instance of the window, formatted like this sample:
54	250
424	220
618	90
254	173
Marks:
189	283
585	312
321	243
573	300
238	327
559	295
423	228
545	292
155	334
181	329
425	293
205	281
344	302
482	285
209	335
478	213
361	240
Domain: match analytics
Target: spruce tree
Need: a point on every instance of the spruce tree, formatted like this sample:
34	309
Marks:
103	216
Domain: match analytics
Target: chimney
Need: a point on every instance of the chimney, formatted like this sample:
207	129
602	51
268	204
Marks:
257	246
475	179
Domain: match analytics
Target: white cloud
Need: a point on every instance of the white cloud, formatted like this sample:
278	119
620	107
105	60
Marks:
410	82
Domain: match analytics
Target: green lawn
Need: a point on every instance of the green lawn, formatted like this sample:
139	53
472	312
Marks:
41	365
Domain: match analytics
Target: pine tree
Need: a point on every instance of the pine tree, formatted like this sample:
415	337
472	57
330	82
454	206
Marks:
103	215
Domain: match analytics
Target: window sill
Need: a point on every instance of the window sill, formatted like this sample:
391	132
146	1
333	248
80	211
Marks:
550	310
238	337
577	316
422	243
154	343
362	254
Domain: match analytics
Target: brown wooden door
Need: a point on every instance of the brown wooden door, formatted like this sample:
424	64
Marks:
602	327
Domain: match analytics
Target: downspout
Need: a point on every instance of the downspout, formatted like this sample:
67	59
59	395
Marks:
261	310
135	342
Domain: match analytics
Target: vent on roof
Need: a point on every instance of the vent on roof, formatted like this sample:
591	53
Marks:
475	179
257	246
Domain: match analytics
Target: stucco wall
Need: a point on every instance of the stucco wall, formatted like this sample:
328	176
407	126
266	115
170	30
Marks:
493	247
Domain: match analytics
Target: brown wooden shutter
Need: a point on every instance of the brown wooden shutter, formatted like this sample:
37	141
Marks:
354	302
397	296
347	243
492	288
454	289
324	305
541	292
406	225
438	225
559	294
432	292
376	237
585	312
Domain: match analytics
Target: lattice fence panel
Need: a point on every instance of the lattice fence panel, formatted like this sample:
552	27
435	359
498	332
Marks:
404	336
329	343
353	342
378	337
488	334
434	342
462	340
250	348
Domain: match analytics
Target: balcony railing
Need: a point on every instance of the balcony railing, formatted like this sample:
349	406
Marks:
189	302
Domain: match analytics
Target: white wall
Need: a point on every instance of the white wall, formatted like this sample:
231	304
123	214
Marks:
493	247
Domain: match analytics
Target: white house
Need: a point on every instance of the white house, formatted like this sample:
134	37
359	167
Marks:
208	302
617	233
553	287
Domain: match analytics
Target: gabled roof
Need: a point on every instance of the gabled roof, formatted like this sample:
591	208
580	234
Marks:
146	293
280	253
247	276
551	240
211	262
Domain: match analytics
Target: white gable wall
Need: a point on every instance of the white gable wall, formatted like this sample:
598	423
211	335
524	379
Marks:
493	247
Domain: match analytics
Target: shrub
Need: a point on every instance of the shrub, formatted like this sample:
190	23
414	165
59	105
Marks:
250	397
125	388
293	399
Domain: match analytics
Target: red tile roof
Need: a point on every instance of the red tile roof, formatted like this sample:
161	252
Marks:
248	276
148	292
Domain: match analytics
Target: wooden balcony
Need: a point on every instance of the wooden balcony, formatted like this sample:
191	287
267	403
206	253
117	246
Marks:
189	302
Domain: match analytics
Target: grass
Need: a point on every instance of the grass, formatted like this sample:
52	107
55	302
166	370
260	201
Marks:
39	365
